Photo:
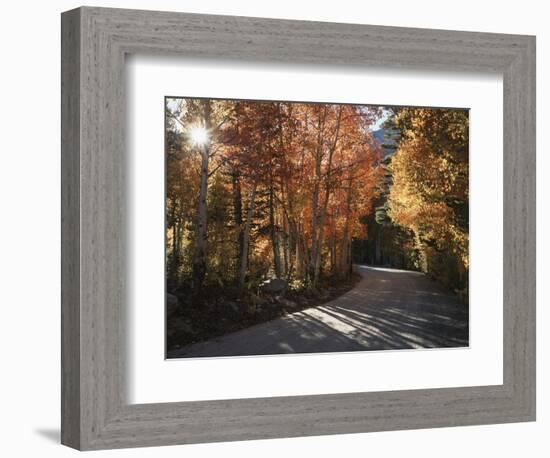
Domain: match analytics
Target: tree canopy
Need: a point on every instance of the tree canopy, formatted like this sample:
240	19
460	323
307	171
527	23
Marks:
271	189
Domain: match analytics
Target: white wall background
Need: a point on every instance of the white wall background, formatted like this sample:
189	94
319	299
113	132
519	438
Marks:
30	246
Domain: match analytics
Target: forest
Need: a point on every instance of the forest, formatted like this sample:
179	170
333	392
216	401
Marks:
269	205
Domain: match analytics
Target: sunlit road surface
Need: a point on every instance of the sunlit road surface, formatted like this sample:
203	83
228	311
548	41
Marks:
389	309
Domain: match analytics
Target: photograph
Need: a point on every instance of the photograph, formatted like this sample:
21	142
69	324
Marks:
305	227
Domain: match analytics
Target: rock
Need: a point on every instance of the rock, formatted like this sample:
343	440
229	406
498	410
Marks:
233	308
462	295
172	305
288	303
256	300
274	286
313	292
180	325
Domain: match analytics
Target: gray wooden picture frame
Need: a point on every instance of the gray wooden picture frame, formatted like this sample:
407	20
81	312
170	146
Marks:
95	412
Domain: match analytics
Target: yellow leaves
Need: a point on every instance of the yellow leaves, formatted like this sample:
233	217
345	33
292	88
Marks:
430	169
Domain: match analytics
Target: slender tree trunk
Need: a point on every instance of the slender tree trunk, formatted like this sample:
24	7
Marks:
274	234
238	215
286	254
315	200
301	251
299	260
293	237
345	255
322	216
284	269
199	262
345	267
246	237
350	259
332	249
175	243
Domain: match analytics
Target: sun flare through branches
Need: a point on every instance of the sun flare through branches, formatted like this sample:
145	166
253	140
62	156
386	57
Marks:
198	136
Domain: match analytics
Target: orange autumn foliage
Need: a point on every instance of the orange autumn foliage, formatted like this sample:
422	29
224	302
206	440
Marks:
287	185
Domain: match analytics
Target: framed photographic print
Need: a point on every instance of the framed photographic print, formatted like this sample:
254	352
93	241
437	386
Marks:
284	228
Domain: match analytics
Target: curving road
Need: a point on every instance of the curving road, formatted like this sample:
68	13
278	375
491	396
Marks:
388	309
